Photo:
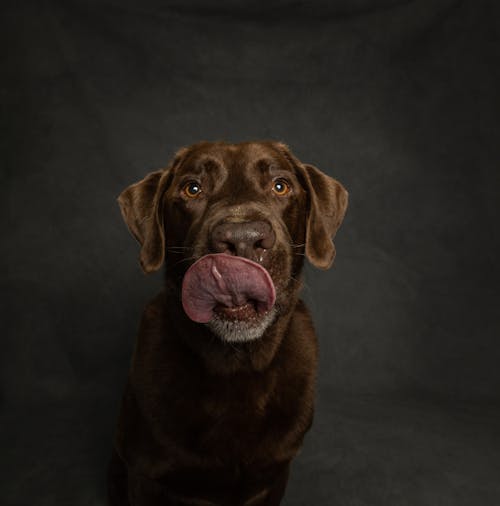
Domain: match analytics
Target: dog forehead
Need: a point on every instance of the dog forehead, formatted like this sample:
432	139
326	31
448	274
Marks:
233	156
251	153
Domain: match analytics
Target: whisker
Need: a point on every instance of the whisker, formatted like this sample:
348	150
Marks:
187	259
178	248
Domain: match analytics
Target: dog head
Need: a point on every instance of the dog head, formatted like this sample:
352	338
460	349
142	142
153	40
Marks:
254	209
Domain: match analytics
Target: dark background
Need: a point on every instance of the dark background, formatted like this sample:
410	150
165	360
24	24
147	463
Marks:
399	100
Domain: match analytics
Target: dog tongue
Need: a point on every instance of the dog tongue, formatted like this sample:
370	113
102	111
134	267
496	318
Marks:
227	280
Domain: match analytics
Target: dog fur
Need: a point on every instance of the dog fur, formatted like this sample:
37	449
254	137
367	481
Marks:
213	414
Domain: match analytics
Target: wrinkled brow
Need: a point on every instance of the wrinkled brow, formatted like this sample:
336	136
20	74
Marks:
271	164
201	165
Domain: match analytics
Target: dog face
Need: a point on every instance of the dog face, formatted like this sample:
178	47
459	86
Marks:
254	200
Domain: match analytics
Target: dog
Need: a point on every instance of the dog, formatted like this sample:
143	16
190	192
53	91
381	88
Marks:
221	387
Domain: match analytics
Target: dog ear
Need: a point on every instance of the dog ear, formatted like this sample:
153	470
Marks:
142	210
327	206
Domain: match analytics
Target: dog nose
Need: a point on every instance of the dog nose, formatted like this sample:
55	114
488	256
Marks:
247	239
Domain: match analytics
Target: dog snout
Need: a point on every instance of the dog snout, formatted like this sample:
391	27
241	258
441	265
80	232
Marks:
247	239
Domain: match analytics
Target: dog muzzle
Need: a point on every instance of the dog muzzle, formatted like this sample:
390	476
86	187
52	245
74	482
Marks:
234	287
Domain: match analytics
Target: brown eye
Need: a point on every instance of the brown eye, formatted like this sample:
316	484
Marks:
192	189
281	187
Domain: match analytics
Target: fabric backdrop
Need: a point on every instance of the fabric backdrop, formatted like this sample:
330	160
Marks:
398	100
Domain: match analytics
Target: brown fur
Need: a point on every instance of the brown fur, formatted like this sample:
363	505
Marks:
203	421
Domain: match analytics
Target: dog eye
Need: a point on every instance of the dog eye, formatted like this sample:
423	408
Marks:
281	187
192	189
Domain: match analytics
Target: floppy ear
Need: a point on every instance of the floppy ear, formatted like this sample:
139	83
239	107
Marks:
327	207
142	210
327	204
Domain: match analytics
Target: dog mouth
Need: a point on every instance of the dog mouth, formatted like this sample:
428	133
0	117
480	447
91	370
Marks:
245	312
227	287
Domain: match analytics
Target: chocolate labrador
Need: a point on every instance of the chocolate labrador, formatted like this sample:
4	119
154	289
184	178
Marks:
221	386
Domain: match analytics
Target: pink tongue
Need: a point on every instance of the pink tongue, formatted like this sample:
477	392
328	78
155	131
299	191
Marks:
226	280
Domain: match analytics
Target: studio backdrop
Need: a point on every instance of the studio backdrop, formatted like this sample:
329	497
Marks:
398	100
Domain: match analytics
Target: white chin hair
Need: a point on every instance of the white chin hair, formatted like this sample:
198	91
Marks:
240	331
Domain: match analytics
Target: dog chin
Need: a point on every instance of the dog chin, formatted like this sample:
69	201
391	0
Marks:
241	331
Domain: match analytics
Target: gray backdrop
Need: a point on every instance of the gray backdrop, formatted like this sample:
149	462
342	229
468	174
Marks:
397	100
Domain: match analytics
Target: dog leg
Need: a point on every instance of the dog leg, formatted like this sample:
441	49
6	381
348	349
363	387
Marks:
117	481
278	491
145	492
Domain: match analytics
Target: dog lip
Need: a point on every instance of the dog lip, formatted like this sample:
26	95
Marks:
258	257
246	311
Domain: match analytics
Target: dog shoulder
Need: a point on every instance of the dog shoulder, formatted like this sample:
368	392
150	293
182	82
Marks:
302	341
